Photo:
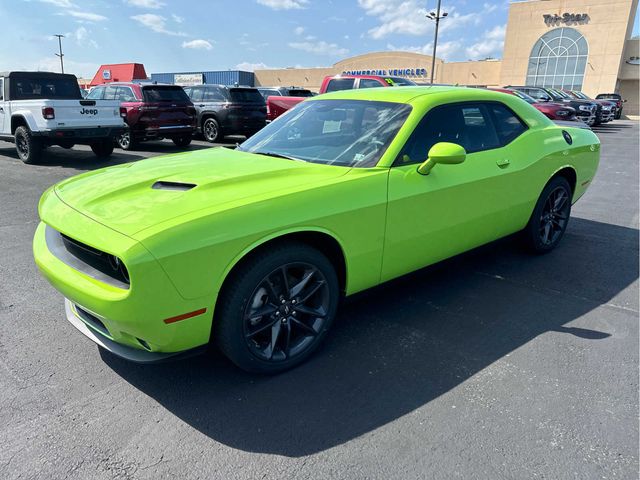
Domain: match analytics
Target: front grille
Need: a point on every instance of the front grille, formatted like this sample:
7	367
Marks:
93	321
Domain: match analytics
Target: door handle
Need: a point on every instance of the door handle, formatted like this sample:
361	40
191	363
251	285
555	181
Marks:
201	105
503	162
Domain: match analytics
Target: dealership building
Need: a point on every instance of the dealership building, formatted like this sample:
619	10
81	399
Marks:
572	44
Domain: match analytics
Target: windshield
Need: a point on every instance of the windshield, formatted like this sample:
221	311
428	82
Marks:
557	94
524	96
165	94
401	82
352	133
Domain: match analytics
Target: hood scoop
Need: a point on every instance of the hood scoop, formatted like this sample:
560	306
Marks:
175	186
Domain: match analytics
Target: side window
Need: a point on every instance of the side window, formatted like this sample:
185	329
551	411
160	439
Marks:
96	93
213	94
110	93
508	125
369	83
336	84
196	94
125	94
468	125
187	90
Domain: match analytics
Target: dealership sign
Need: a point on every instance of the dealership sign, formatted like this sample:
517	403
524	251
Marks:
185	79
566	18
106	74
401	72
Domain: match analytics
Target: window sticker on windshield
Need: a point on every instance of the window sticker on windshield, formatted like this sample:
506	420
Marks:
331	126
358	157
389	81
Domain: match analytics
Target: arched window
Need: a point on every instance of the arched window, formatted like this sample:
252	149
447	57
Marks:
558	60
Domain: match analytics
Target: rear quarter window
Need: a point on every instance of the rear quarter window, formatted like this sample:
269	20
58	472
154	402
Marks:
245	95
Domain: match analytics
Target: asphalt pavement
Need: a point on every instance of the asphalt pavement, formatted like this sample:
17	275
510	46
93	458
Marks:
492	365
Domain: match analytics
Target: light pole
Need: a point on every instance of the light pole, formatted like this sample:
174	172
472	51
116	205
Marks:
60	37
435	16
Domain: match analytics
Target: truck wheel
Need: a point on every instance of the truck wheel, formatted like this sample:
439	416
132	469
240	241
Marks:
66	145
182	141
29	148
126	141
102	149
211	130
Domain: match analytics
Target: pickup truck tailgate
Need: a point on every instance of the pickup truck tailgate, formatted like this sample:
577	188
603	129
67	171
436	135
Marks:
84	114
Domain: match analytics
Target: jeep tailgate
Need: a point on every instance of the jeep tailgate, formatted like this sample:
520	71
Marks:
83	113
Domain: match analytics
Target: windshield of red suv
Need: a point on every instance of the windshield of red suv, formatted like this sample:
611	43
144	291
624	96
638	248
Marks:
246	95
161	93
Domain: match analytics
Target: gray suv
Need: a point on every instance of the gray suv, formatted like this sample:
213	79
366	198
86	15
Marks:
224	110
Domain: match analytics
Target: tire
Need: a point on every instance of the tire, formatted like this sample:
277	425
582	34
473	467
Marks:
550	216
211	130
67	145
298	324
182	141
126	141
28	147
102	149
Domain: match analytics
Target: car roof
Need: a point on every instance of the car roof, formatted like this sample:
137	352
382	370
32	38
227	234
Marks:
405	94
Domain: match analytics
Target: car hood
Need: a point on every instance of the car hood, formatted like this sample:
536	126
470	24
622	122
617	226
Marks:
132	197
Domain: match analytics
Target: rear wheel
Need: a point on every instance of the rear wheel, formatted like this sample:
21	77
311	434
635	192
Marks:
550	217
211	130
126	141
103	148
28	147
277	309
182	141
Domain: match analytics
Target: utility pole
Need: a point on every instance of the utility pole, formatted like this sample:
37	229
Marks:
60	37
435	16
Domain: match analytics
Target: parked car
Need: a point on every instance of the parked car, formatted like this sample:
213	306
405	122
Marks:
153	111
285	92
586	110
224	110
553	111
609	107
253	248
613	97
278	106
40	109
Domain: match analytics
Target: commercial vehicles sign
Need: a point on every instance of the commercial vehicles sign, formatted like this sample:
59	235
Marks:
402	72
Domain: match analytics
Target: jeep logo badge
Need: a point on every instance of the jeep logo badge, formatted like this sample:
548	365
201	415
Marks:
89	111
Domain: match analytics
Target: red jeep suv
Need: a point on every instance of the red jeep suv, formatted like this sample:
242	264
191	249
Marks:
154	112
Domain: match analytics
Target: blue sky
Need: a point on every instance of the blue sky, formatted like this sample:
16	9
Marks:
173	35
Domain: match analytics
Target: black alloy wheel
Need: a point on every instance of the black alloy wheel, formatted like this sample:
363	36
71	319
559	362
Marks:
277	308
550	216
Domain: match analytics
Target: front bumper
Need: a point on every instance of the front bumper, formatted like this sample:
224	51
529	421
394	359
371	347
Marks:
132	317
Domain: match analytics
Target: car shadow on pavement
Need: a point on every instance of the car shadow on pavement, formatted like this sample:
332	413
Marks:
395	348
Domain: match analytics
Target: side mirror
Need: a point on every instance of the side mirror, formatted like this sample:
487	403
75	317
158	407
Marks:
442	152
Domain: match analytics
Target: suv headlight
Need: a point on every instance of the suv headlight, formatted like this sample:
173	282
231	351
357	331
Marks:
562	113
585	108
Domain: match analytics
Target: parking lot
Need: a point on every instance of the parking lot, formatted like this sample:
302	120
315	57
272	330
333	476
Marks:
495	364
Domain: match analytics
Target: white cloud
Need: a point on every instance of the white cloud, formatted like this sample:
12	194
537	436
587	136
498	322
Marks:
157	23
89	17
153	4
445	50
298	30
60	3
176	18
250	67
198	45
490	45
284	4
82	38
319	48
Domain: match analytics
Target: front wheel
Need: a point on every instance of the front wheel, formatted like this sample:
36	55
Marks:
277	309
182	141
102	149
550	217
211	130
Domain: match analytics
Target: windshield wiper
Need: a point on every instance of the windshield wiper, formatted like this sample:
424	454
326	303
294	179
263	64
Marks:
278	155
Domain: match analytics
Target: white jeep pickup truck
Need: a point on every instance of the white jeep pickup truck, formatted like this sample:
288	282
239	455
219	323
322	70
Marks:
40	109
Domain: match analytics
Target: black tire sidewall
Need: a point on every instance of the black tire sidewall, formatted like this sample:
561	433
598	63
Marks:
532	230
181	141
33	145
228	330
102	149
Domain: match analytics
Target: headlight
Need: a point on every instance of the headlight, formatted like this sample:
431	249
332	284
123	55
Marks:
585	108
119	270
562	113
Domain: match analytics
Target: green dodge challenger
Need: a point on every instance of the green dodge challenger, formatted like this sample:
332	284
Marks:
252	249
